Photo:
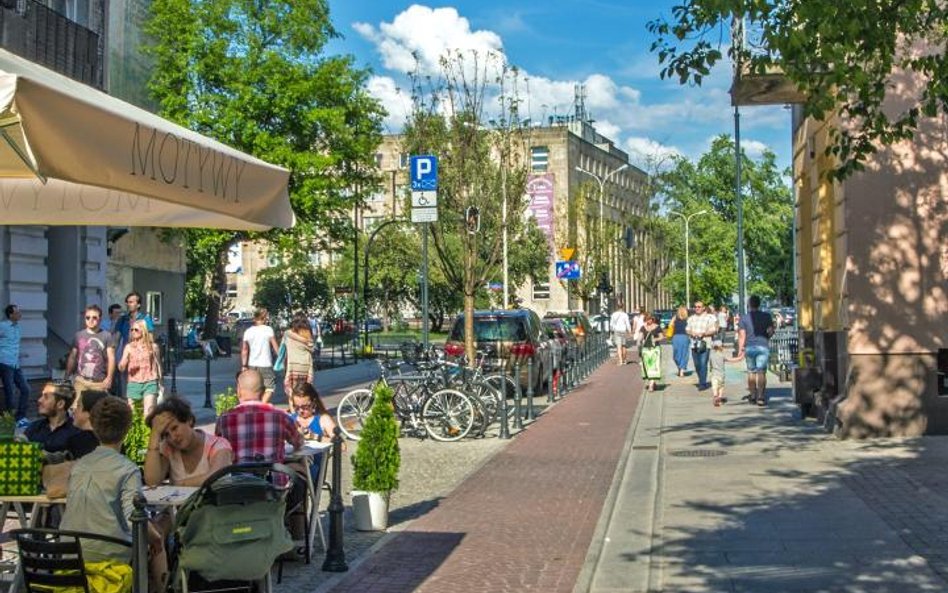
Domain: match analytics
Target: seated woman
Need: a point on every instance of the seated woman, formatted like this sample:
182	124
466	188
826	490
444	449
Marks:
179	452
312	418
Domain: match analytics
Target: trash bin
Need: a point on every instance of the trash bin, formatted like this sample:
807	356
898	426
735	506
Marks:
223	344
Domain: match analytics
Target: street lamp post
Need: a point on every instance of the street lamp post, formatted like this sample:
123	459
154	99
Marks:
602	190
687	220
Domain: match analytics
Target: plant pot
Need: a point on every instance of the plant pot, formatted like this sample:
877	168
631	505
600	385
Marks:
370	510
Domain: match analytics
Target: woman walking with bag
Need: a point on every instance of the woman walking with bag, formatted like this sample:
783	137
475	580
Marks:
298	342
140	359
651	352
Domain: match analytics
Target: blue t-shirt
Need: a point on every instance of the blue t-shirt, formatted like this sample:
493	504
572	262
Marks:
316	432
756	336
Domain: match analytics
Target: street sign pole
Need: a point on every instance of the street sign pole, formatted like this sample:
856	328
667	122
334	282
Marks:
424	285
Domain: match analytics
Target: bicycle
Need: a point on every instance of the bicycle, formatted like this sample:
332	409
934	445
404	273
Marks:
422	407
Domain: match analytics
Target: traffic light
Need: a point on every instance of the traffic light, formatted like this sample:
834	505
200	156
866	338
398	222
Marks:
604	287
472	219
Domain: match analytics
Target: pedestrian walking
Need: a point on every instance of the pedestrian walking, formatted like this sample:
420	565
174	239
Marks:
108	323
91	362
702	328
753	343
121	330
140	360
11	373
298	342
638	322
256	352
621	332
680	340
651	353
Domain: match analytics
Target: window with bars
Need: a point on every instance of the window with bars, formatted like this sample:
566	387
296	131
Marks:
541	292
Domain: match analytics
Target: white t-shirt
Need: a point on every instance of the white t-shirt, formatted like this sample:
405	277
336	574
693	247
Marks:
258	339
619	322
637	324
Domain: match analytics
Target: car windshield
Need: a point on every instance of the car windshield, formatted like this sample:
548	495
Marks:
491	329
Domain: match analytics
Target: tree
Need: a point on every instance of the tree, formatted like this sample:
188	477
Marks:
840	55
481	160
253	75
708	184
287	289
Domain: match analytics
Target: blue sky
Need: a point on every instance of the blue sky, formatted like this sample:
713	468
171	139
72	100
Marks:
558	43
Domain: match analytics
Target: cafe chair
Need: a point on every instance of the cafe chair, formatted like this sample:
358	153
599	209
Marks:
51	558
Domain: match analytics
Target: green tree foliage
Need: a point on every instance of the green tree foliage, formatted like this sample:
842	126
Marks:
286	289
377	460
841	55
481	160
254	75
708	184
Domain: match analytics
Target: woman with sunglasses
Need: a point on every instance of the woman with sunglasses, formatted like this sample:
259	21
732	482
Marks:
312	418
140	359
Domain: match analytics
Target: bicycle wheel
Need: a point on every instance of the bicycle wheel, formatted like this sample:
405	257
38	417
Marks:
488	397
447	415
352	410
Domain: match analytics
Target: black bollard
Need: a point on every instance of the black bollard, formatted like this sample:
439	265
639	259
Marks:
139	521
518	411
530	393
336	553
207	383
504	411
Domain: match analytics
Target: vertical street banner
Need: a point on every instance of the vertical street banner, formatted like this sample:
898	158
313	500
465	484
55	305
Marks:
540	190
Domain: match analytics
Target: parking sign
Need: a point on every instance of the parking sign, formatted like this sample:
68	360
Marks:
424	172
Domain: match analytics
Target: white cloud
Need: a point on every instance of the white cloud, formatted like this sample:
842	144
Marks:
754	148
645	151
396	101
428	34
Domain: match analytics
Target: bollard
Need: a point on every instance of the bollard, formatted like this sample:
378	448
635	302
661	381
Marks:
518	412
174	373
139	520
504	412
551	382
335	552
207	383
530	393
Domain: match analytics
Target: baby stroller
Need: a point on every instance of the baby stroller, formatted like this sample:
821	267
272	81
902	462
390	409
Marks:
230	532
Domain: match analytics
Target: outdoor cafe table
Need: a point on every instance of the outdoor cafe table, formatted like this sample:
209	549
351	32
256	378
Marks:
305	455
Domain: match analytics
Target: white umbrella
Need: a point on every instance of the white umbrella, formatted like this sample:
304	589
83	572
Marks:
72	155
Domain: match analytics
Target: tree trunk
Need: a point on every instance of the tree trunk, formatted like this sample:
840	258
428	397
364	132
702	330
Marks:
217	290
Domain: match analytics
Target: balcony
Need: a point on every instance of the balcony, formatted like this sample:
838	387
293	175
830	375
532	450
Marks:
37	33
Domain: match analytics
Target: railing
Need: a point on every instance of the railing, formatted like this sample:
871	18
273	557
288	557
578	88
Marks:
42	35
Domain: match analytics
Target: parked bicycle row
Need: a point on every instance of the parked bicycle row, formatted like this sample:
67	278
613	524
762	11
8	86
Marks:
439	396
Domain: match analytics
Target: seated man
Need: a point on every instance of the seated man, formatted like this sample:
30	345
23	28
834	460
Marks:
257	431
54	430
103	484
82	418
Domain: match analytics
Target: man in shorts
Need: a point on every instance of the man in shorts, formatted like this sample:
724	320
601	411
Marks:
753	342
257	350
621	331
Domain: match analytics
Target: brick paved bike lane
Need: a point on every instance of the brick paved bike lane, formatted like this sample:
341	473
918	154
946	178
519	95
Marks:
525	520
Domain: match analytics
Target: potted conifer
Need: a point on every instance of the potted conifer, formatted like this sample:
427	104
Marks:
376	463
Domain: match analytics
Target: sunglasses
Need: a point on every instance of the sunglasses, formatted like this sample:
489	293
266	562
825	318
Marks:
92	317
305	407
137	329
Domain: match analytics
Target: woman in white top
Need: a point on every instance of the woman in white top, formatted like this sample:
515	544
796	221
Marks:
177	451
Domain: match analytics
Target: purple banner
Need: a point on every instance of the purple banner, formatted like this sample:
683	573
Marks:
540	190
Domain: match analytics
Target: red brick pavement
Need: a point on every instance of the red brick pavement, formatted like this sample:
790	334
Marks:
524	521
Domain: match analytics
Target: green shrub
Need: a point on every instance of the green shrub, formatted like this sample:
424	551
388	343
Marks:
7	426
377	459
135	444
225	400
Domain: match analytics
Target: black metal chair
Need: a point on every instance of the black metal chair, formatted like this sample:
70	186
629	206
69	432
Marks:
53	558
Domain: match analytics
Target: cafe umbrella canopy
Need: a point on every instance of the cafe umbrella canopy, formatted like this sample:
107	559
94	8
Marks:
73	155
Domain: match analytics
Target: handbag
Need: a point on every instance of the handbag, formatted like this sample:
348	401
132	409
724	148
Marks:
56	478
280	363
670	330
700	346
161	380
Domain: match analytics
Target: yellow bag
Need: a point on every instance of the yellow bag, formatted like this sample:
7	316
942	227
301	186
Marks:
670	331
107	576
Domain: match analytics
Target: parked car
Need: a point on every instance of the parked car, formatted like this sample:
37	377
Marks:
508	337
577	321
373	324
240	326
564	341
664	316
789	316
602	324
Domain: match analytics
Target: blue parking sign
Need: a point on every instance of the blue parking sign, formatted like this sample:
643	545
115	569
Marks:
568	270
424	172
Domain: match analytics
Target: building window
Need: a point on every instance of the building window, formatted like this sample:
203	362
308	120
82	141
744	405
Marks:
153	305
232	290
378	196
539	159
403	160
541	292
370	222
378	160
75	10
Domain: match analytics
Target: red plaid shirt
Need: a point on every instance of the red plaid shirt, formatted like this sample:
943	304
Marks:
257	431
